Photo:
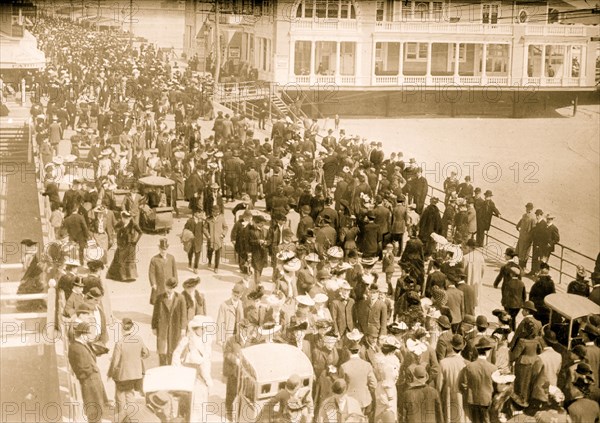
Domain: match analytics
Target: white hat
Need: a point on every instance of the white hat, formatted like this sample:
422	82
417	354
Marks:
200	321
320	298
292	265
272	300
345	285
70	158
305	300
268	331
313	257
335	252
354	335
285	255
58	160
368	278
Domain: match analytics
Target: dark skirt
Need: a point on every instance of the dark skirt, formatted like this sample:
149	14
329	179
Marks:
123	267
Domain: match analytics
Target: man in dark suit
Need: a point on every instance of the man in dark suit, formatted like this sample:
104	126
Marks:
371	311
232	355
72	198
329	141
469	294
383	218
430	222
399	217
540	238
169	320
342	310
162	267
513	294
553	233
505	274
370	237
524	328
306	222
484	216
456	304
477	385
420	402
194	190
195	225
444	347
78	231
83	363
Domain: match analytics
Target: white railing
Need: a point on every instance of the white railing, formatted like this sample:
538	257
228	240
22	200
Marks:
386	79
302	79
443	27
324	24
569	82
497	80
533	81
347	80
470	80
241	91
553	81
325	79
415	80
556	29
442	80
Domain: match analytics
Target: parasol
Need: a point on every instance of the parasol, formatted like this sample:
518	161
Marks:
157	181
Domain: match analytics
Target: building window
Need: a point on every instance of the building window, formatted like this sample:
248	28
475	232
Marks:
421	11
555	60
490	13
387	59
380	11
325	57
553	16
347	54
326	9
498	59
416	52
437	10
302	53
575	61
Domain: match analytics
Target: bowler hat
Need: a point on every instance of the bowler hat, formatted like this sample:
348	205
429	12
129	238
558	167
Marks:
419	376
510	252
444	322
529	305
488	193
171	283
481	322
484	344
189	283
457	342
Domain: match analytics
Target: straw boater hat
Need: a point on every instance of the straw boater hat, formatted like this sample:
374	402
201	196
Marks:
305	300
320	298
268	328
354	335
292	265
335	252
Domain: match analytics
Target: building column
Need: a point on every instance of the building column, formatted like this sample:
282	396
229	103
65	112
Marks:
428	80
401	65
525	64
583	66
484	65
373	62
312	62
456	63
291	61
543	75
337	62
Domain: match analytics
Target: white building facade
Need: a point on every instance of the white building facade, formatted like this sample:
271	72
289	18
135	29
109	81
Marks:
390	43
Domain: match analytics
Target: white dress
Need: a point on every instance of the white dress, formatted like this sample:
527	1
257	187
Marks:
387	371
196	354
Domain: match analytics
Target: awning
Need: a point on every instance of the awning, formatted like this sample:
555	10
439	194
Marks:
21	53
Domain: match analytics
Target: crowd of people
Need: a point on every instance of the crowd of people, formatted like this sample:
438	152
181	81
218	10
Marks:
379	289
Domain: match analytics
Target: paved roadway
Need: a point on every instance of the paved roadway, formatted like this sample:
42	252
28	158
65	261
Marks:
131	299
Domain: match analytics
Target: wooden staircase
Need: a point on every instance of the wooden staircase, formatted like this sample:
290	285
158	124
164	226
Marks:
14	143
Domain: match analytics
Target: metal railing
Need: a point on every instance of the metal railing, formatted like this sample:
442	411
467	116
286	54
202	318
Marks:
568	258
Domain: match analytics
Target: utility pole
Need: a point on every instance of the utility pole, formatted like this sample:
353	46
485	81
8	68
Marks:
217	47
130	23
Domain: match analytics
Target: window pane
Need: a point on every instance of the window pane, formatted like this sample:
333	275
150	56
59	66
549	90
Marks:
470	59
438	11
422	11
575	61
333	9
379	11
555	57
442	59
299	9
387	58
321	9
325	52
302	58
497	59
407	11
534	63
347	58
308	8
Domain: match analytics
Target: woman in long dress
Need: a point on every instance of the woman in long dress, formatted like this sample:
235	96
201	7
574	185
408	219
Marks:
195	350
123	267
387	371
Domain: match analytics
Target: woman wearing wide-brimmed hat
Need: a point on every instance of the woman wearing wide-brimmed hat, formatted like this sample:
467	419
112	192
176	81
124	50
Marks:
387	370
195	350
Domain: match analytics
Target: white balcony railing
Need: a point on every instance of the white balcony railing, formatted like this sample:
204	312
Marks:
497	80
470	80
386	80
556	29
443	27
442	80
324	24
325	79
347	80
